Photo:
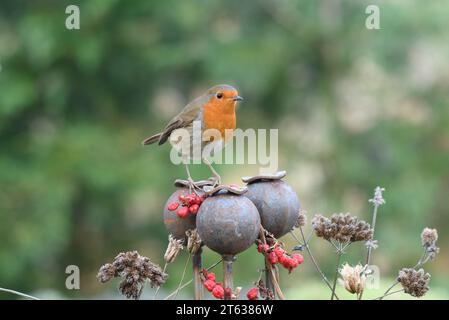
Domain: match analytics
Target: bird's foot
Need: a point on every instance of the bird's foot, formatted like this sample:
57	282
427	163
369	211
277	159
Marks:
193	186
216	181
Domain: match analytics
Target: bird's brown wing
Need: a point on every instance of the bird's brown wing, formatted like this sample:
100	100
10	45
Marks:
185	118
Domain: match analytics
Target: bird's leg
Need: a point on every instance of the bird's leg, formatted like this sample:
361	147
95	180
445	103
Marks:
192	185
217	177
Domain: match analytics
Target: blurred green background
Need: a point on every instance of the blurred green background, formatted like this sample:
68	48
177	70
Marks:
356	108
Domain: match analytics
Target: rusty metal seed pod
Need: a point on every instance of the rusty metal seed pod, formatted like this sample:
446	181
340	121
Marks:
277	203
228	223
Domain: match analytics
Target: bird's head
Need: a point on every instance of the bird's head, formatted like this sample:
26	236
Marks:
223	96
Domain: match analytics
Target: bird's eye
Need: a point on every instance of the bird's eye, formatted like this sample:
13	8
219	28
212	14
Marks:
219	95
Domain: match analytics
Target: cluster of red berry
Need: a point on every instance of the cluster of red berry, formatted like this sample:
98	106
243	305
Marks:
209	282
275	254
189	205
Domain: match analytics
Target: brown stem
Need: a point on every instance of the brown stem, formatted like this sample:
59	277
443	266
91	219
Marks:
336	275
269	283
228	282
370	248
270	269
373	226
197	266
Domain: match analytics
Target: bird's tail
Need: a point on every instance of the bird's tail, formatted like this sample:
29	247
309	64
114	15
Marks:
151	139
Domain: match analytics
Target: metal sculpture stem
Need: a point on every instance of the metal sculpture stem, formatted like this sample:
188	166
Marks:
197	267
227	275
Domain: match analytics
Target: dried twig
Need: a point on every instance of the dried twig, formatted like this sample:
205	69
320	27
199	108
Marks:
312	258
19	293
183	275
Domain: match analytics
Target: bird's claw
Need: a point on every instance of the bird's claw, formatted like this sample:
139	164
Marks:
193	186
216	181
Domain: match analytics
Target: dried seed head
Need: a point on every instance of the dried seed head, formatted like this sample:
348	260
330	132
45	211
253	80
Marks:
173	249
429	237
130	290
353	278
193	241
302	220
135	270
106	273
415	283
342	228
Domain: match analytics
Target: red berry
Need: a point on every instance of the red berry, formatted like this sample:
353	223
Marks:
279	251
262	248
183	212
182	198
272	258
190	199
211	276
292	263
173	206
198	200
252	294
218	292
299	259
209	285
283	259
194	208
286	262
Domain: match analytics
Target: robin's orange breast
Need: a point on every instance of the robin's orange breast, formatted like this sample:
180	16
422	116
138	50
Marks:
220	118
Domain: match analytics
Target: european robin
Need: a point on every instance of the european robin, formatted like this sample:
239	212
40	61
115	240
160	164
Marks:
215	109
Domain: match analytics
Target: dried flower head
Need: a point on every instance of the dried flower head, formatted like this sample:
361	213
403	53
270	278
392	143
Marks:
414	282
378	199
429	237
193	241
341	228
135	270
106	273
353	278
302	220
173	249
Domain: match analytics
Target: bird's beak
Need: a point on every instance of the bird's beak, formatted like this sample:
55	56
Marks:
237	98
